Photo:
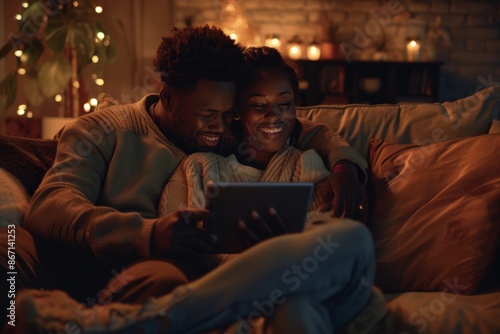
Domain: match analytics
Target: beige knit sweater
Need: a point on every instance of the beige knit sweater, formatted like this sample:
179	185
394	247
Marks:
186	187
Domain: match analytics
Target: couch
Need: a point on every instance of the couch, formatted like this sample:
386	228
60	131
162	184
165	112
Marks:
434	204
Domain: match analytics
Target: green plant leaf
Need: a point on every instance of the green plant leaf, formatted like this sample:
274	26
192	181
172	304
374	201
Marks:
54	75
82	38
33	52
8	89
6	49
56	34
32	89
32	19
111	52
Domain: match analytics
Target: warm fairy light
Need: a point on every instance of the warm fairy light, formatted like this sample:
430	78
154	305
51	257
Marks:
58	98
93	76
25	4
99	82
24	58
106	42
93	102
21	71
18	53
98	9
21	112
95	59
75	3
29	114
18	17
86	107
233	36
230	8
76	84
101	35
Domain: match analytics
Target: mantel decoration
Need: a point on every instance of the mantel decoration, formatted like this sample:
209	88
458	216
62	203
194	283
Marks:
59	48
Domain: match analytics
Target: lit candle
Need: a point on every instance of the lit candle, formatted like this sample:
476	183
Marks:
295	48
413	50
295	51
313	51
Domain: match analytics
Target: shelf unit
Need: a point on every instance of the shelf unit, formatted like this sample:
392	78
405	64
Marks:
371	82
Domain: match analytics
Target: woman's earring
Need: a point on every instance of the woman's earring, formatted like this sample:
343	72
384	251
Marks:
236	117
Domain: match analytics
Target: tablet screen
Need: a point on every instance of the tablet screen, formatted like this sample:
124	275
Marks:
231	202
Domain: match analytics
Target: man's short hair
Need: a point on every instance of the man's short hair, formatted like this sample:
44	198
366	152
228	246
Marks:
194	53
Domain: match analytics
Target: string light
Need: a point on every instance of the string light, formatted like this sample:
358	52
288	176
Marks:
18	17
29	114
21	71
21	110
58	98
86	107
76	84
99	82
98	9
25	4
75	3
95	59
18	53
93	102
101	35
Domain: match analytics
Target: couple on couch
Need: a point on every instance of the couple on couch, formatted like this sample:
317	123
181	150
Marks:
100	201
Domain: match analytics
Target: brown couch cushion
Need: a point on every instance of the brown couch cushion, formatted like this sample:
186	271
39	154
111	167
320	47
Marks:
435	217
27	159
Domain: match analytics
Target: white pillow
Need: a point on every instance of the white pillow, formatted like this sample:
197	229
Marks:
13	199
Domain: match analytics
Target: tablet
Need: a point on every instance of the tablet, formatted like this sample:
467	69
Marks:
231	202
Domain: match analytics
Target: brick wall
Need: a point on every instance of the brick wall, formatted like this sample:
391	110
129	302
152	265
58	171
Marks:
367	26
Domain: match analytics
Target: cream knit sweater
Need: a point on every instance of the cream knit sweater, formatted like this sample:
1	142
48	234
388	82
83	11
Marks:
186	187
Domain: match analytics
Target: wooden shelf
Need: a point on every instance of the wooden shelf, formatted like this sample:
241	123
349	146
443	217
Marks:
371	82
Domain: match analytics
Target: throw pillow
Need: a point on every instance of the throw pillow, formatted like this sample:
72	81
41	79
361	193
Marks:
27	159
13	199
435	216
495	126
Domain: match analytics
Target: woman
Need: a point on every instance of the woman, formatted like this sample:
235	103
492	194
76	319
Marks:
312	282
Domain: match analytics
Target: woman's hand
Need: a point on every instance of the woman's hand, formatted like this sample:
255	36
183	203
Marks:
346	193
258	230
183	233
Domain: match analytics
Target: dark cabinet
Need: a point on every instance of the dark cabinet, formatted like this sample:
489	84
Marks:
371	82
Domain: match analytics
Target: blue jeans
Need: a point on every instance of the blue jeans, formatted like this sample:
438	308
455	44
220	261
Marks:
325	272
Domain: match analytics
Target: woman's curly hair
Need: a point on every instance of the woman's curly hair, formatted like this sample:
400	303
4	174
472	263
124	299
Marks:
194	53
262	58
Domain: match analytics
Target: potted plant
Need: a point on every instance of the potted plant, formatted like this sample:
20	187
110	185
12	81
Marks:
56	46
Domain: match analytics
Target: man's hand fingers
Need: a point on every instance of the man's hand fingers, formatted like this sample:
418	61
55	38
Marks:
338	204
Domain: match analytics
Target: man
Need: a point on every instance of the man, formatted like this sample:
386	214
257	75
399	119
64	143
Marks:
94	217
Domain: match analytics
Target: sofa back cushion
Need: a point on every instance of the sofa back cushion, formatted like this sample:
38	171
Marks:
410	123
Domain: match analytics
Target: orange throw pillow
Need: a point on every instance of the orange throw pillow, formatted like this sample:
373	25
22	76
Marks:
436	214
